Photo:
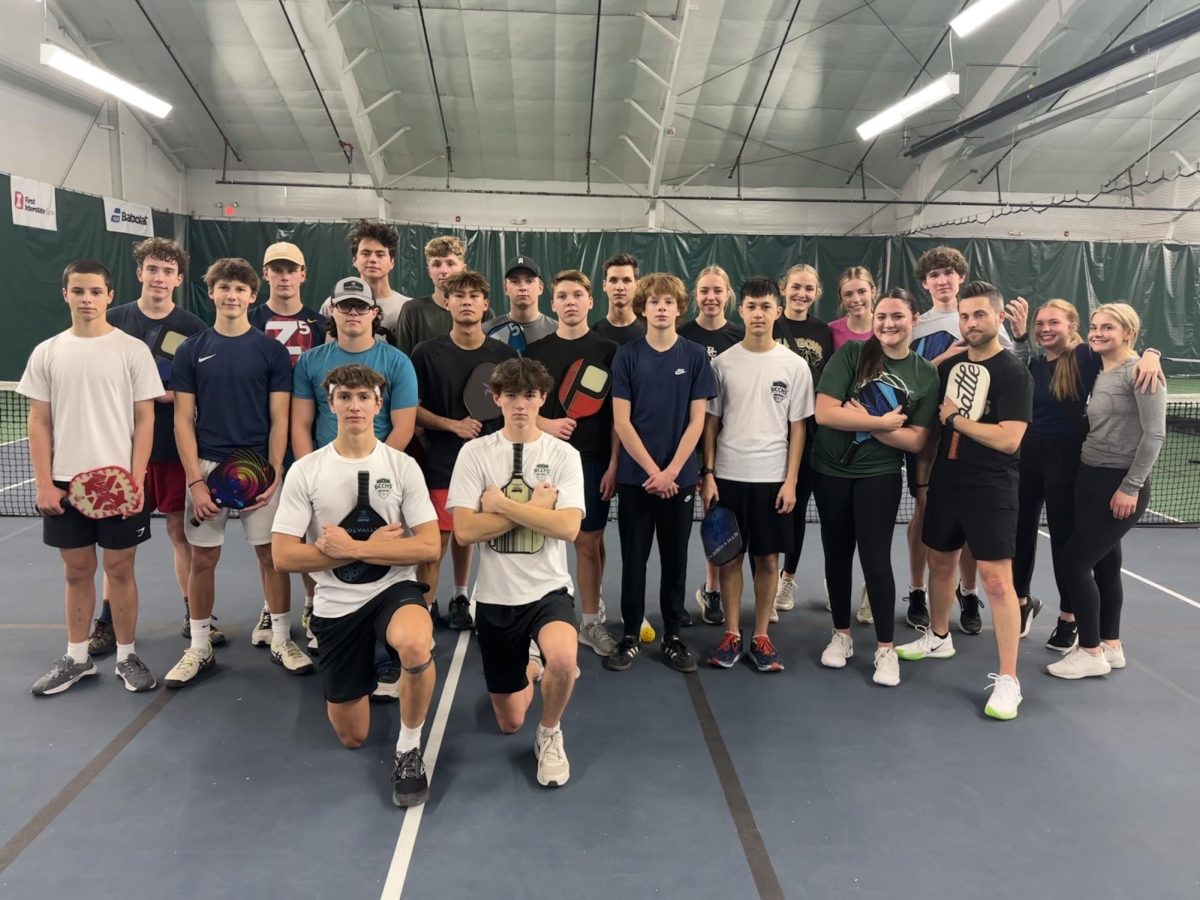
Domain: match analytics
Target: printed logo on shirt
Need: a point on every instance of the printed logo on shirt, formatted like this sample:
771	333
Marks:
383	488
541	472
779	391
712	352
681	371
207	358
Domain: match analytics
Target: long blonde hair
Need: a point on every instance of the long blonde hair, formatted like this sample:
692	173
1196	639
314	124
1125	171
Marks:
1066	383
857	273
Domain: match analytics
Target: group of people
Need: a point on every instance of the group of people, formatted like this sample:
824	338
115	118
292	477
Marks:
446	429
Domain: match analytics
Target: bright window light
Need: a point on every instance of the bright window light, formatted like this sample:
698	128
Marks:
946	86
70	64
978	14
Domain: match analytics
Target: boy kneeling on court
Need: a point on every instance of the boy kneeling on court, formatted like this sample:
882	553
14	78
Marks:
519	493
368	520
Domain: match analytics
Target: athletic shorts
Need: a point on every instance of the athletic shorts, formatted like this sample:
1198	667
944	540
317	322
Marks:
595	515
347	660
764	531
166	487
211	532
445	518
985	522
504	633
910	473
73	529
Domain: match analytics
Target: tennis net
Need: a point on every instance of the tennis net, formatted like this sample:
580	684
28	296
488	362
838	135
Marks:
1175	497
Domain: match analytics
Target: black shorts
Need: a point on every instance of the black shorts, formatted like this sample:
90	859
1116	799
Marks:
504	633
595	515
73	529
910	472
347	661
764	531
985	522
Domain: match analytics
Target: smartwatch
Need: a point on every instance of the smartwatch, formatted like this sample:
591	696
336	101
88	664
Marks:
705	470
950	420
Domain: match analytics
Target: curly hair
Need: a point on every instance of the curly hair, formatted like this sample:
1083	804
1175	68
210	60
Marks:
940	258
655	284
161	248
376	231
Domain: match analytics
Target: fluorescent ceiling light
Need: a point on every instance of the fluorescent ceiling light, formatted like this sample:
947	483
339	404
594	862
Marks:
946	86
978	14
70	64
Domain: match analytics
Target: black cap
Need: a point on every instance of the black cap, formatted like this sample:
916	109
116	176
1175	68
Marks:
522	262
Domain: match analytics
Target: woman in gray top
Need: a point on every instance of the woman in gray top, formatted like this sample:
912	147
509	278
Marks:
1126	431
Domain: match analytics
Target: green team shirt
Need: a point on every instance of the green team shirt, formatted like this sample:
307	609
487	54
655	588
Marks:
872	457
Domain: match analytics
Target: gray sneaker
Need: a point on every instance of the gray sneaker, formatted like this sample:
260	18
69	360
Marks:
64	674
136	676
597	637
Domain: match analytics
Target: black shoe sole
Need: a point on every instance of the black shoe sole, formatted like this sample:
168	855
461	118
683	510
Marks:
682	668
461	626
614	664
406	800
970	629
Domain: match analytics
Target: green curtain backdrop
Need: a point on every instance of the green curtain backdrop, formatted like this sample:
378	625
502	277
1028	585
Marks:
1162	281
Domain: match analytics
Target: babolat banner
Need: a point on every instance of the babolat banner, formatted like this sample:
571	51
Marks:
33	204
130	218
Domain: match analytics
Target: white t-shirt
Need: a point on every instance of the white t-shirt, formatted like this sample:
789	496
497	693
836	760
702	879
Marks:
321	489
91	384
758	395
947	320
515	579
389	310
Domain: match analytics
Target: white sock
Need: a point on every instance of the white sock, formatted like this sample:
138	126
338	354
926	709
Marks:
200	630
124	651
280	627
410	738
965	592
546	732
78	652
591	618
915	587
460	590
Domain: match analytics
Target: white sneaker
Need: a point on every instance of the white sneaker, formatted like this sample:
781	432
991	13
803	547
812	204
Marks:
306	616
783	594
189	668
294	660
553	769
1115	656
887	667
774	617
603	612
840	649
865	616
1006	697
927	646
261	635
1080	664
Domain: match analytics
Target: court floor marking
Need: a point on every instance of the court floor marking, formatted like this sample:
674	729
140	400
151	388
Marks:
13	534
393	887
1147	581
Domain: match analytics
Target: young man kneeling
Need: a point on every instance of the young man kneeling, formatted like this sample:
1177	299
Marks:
366	581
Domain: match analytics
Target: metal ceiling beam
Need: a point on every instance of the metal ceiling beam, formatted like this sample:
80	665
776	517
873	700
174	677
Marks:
658	159
345	146
437	94
1166	137
592	101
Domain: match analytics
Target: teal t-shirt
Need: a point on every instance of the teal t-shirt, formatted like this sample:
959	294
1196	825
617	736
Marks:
872	457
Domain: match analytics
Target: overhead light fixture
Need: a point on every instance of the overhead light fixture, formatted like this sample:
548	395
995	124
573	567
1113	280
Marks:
978	14
77	67
946	86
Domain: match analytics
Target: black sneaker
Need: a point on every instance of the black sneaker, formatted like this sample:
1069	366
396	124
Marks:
969	620
1064	638
626	652
216	636
711	612
460	614
1028	613
918	610
410	784
679	657
439	620
387	685
103	640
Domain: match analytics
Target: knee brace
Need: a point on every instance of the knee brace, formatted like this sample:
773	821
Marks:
417	670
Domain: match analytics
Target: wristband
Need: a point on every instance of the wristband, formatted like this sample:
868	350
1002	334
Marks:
196	482
705	470
950	420
1022	339
919	486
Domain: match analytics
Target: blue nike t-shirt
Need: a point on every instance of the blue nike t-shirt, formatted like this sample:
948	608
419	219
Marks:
392	364
660	386
232	379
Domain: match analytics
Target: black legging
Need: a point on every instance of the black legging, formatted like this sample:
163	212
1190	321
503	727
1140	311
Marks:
862	512
1092	557
804	489
1048	467
640	517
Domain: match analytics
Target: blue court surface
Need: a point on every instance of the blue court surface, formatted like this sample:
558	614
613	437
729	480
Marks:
725	784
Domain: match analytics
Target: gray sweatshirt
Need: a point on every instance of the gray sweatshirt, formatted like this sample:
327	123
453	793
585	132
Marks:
1126	429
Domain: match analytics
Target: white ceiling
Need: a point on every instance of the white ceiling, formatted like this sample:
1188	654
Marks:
515	78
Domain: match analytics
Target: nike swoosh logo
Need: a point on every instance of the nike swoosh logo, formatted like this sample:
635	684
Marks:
205	358
681	371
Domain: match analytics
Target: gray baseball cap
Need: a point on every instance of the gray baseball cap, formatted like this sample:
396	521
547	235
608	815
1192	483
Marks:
352	288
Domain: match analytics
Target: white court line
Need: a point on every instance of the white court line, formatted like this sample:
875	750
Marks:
19	531
17	485
1147	581
398	872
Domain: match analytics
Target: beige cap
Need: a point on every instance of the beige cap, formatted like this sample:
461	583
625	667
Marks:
283	250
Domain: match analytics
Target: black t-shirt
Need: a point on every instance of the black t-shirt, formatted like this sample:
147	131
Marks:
980	469
1066	418
809	338
715	342
297	332
621	334
163	337
592	436
443	369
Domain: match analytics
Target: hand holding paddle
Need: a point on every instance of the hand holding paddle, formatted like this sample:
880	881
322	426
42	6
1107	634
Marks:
50	499
966	394
101	494
545	495
709	495
243	480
